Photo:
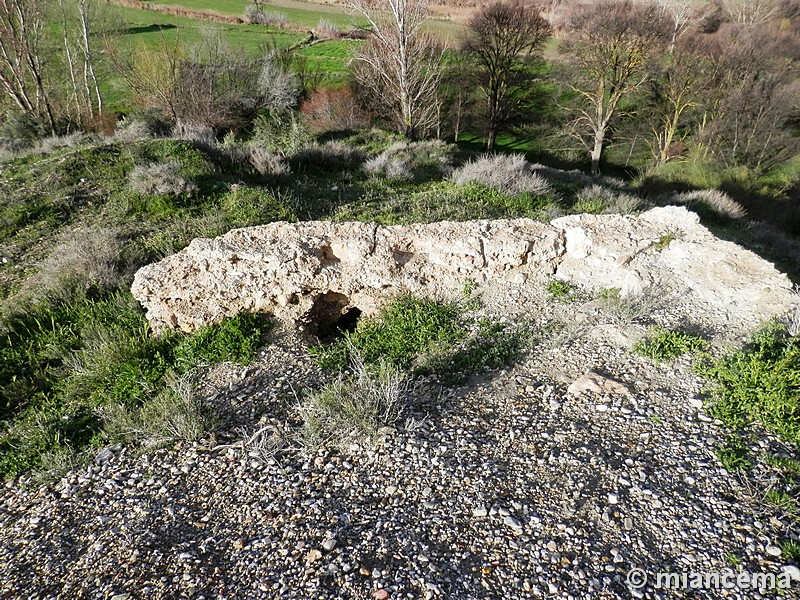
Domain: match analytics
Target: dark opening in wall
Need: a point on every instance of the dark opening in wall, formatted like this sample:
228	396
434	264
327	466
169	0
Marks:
331	316
348	322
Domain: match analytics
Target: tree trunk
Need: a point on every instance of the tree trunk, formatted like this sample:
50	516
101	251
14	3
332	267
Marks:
491	139
89	58
597	151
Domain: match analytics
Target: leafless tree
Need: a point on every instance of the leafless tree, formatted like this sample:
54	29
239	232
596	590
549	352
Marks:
400	63
676	90
22	29
750	12
152	73
456	95
682	14
78	32
503	39
611	45
210	84
753	98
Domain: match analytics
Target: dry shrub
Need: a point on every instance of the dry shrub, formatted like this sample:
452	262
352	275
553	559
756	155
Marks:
199	134
83	260
327	29
279	132
103	124
357	33
254	15
354	408
714	203
600	199
267	163
176	413
403	160
131	130
507	173
777	242
395	169
333	109
158	179
13	148
330	155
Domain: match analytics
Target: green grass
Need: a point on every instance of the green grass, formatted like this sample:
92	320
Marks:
395	202
426	336
733	560
701	173
781	499
41	195
306	17
733	454
493	346
330	57
66	361
784	175
560	291
60	365
150	30
609	294
790	550
665	344
308	14
663	242
789	467
759	383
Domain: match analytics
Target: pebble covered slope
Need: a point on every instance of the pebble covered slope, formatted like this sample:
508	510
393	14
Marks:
507	487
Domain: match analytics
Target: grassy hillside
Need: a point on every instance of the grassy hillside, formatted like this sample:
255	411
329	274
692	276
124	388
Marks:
306	14
77	366
78	216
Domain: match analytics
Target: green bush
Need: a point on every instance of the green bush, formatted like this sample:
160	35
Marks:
405	328
61	365
665	344
560	290
235	339
733	454
174	413
492	346
426	336
790	550
760	382
280	132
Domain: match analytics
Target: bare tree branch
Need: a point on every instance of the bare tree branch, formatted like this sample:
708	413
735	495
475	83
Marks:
400	64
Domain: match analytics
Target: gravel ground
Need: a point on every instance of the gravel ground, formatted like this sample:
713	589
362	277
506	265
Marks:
507	487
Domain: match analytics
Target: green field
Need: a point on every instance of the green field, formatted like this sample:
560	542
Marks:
306	17
307	14
154	29
150	27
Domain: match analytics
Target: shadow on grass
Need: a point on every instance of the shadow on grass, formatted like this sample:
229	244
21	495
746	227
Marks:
146	28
